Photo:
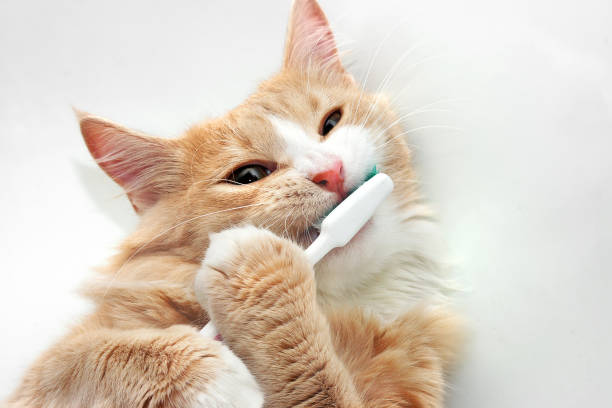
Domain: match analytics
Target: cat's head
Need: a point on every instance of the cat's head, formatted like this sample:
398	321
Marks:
281	160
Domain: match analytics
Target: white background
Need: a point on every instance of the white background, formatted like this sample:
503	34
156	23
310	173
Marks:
515	158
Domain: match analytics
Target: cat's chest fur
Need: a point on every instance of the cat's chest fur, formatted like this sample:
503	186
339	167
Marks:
408	269
409	283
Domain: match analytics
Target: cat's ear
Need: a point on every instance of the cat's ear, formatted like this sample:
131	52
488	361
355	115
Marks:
144	166
310	41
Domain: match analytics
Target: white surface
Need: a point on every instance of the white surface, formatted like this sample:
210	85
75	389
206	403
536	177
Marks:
523	187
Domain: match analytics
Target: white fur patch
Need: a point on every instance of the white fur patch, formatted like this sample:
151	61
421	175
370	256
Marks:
392	264
233	386
356	147
353	145
388	267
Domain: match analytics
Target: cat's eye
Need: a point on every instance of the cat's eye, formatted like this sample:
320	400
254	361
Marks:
249	174
330	121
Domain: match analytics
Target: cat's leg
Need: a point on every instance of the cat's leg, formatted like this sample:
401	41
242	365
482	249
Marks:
173	367
402	363
260	291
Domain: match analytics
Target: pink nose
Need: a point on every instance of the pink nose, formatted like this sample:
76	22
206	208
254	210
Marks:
332	179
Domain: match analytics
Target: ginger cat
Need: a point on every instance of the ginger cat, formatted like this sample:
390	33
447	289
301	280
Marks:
235	201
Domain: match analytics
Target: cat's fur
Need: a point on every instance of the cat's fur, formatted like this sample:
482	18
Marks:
369	333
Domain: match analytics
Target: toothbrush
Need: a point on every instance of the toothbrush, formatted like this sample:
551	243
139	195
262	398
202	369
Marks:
341	225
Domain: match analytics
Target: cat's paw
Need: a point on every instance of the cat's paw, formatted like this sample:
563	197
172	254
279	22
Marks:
228	248
249	274
226	251
244	255
232	387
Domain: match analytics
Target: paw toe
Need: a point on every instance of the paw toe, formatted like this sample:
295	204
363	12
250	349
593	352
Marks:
225	246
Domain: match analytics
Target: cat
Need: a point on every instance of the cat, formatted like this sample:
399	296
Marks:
233	203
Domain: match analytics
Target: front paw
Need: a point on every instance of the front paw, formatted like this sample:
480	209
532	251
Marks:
229	249
251	279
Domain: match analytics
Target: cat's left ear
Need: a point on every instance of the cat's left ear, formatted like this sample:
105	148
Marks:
310	41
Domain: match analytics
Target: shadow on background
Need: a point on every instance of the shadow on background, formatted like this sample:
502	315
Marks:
106	195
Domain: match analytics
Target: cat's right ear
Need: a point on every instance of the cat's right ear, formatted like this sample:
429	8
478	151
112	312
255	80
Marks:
310	41
144	166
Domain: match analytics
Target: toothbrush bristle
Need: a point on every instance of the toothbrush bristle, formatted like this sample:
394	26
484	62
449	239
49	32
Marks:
372	173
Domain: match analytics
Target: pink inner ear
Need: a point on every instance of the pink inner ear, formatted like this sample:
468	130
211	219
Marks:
310	37
116	152
137	163
321	40
103	149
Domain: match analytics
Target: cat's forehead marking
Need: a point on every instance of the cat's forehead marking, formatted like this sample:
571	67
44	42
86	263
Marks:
294	137
301	149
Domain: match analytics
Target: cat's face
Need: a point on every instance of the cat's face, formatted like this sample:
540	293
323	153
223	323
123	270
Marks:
281	160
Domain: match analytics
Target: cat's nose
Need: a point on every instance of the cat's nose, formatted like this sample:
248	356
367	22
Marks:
332	179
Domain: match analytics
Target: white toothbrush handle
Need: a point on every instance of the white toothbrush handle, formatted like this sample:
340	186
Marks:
318	249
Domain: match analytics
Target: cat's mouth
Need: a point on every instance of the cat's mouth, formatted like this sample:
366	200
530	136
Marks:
312	233
311	228
309	235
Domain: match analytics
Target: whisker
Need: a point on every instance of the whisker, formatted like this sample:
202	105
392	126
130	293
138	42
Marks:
139	249
404	133
364	80
389	76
